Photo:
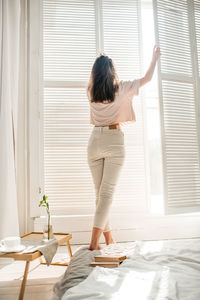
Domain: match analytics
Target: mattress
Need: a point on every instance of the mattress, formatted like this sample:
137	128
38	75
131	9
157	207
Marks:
153	270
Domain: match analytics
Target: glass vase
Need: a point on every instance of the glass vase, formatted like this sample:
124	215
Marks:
48	230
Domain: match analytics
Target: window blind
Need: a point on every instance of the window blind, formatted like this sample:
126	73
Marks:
197	31
69	43
74	32
69	39
178	90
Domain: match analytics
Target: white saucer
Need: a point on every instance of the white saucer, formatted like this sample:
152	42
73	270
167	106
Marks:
18	249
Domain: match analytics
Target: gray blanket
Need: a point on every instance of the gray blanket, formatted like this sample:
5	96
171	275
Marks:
79	268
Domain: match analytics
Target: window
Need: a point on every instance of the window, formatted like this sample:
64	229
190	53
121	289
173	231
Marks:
74	32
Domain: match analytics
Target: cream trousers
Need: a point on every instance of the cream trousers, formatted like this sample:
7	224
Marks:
106	153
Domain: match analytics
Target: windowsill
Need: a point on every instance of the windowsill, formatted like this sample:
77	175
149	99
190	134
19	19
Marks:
152	215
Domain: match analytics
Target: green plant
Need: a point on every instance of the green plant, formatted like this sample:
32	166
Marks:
45	204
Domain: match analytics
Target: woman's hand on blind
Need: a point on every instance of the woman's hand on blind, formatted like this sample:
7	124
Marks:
156	53
150	71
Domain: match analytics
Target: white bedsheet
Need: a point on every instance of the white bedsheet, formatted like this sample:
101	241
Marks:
153	270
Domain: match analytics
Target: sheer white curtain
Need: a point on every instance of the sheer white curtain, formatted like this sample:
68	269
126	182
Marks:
9	91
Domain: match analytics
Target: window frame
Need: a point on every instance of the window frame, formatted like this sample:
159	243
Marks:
35	108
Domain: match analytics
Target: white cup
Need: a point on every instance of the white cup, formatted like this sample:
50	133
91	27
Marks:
11	242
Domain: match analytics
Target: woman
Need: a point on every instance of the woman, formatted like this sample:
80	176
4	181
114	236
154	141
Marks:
110	105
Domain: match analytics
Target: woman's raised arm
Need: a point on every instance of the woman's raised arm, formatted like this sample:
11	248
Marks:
147	77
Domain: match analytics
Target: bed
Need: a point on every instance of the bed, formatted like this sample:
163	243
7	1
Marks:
153	270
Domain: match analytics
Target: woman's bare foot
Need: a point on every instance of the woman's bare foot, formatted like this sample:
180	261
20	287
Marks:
112	241
96	234
108	238
97	247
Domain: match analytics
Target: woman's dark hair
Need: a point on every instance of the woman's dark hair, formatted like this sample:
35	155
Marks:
104	82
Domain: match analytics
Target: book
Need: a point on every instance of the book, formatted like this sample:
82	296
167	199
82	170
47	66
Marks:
109	258
105	264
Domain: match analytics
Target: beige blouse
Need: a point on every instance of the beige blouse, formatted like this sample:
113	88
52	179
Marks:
120	110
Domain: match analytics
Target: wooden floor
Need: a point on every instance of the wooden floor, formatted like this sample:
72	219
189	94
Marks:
40	278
